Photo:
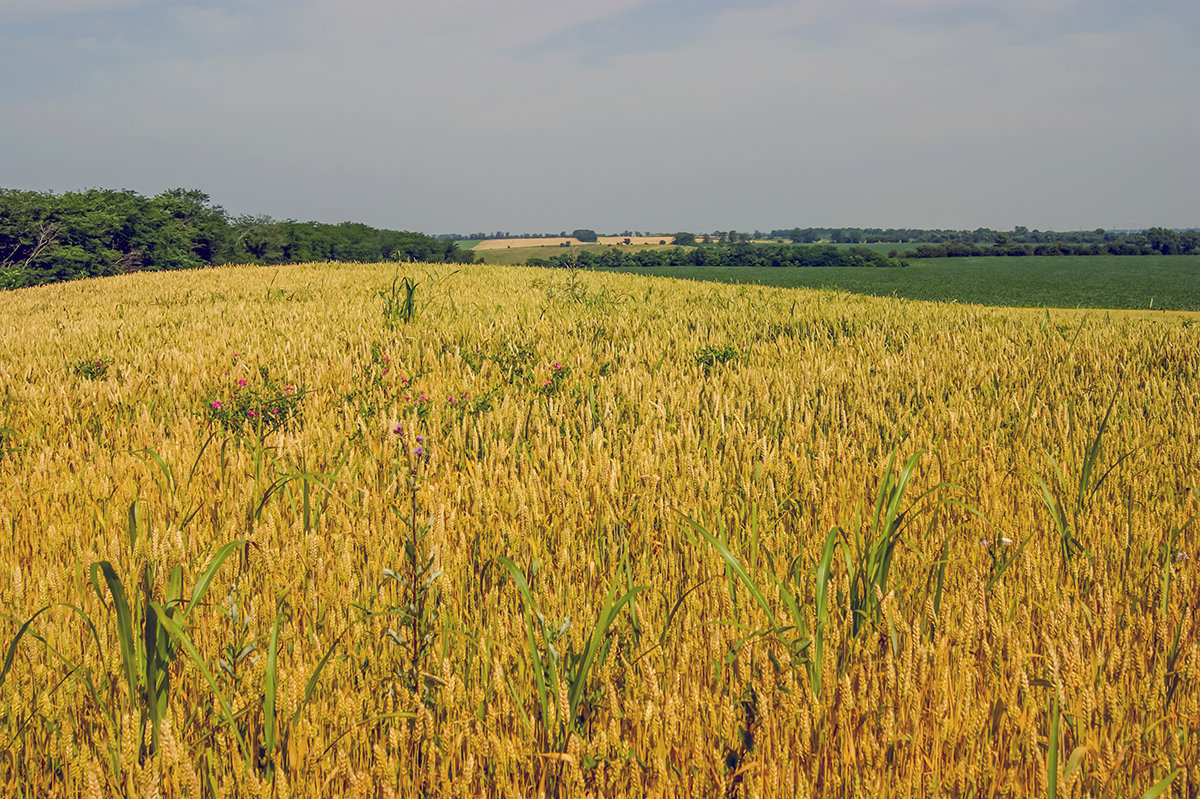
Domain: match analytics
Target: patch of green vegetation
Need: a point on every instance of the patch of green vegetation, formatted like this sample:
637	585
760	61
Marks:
466	244
881	247
1138	282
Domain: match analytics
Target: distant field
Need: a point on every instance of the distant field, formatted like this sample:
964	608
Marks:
637	239
520	255
506	244
1065	281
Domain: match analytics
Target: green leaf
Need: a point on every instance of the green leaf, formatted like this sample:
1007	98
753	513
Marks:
1052	753
1159	787
270	687
201	588
607	616
177	633
539	670
12	647
124	620
738	569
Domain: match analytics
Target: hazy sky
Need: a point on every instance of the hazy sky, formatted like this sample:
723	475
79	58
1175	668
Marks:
659	115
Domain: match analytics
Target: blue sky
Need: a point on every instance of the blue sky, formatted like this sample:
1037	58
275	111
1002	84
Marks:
664	115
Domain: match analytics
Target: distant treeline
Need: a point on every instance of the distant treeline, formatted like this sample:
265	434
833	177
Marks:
583	234
715	255
1151	242
1019	241
46	237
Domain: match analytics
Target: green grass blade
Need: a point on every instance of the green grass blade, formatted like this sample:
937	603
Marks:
167	473
270	687
1052	752
315	678
512	691
539	667
662	637
124	621
940	584
607	616
12	647
1003	567
177	633
824	570
736	565
1162	785
1059	515
881	498
1092	457
201	588
133	526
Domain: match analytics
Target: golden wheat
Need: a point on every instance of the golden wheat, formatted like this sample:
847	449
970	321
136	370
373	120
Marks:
626	447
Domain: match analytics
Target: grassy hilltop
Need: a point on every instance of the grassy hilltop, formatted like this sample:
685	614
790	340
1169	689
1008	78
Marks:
311	529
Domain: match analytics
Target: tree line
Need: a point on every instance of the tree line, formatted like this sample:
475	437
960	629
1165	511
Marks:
1019	241
1152	241
1138	245
780	255
47	237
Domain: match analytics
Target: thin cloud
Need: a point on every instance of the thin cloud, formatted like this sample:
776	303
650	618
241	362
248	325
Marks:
28	12
657	26
615	114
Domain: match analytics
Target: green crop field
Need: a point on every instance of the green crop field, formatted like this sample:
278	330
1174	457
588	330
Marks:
1064	281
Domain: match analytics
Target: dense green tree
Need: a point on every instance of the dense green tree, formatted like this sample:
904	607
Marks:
46	237
1163	240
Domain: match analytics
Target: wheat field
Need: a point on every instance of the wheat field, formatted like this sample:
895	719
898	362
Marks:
331	529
